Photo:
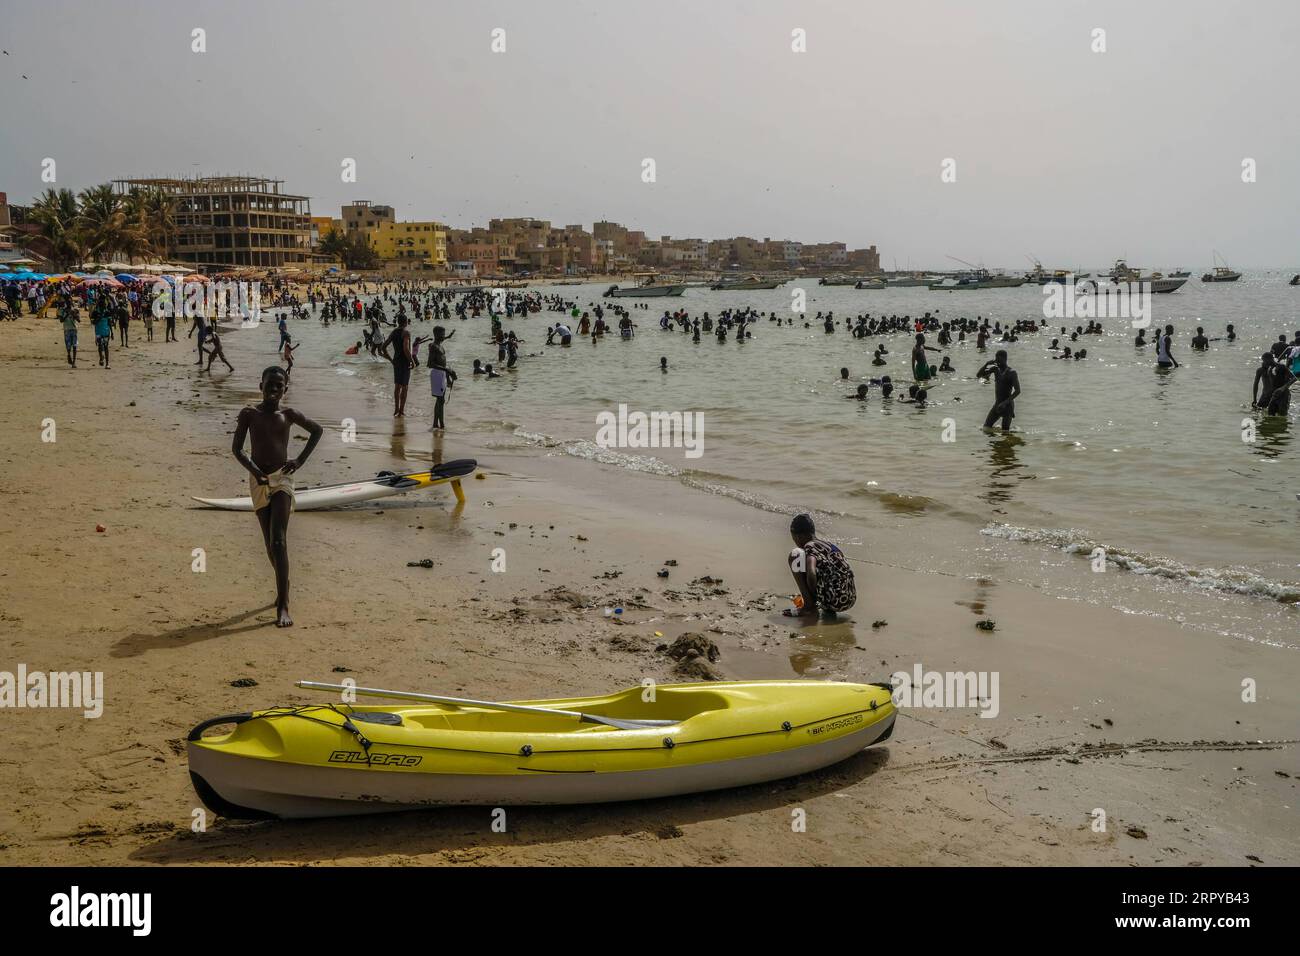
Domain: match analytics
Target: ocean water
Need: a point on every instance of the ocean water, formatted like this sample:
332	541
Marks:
1108	452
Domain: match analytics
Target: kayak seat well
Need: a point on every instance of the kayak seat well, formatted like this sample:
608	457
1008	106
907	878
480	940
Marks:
678	705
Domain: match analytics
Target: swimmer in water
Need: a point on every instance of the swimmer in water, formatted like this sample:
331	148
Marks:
663	363
1199	342
1164	350
859	396
946	365
1007	385
1263	377
920	364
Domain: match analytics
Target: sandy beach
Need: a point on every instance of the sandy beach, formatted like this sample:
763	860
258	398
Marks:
1099	709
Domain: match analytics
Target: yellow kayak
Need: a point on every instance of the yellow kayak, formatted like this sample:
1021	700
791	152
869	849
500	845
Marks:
339	759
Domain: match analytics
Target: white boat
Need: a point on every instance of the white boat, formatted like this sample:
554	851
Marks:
1125	277
747	284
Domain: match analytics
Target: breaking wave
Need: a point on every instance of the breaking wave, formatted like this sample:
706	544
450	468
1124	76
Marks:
1232	580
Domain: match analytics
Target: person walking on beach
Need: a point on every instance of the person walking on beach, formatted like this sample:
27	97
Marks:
68	316
289	349
200	324
399	341
821	572
103	322
271	471
162	306
1007	385
215	352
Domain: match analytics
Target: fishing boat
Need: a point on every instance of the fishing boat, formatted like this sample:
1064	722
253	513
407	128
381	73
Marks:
747	284
345	759
649	289
876	283
1221	272
1295	280
839	280
908	282
1180	274
1040	276
977	279
1124	276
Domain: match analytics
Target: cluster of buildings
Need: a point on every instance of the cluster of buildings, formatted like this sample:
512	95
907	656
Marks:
234	222
526	246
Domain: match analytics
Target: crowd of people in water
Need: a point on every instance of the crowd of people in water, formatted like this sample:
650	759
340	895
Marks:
392	314
394	317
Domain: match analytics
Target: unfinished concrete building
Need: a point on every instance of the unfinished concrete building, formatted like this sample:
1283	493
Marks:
234	221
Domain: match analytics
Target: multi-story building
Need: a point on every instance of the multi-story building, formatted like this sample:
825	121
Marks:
363	215
531	240
322	226
868	260
746	253
410	246
234	221
824	254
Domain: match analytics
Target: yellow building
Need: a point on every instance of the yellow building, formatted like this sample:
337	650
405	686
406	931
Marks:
421	244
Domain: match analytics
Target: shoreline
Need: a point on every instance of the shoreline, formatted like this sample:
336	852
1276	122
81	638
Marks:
950	787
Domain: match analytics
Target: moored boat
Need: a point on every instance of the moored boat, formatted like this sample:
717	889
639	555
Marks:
1126	278
1221	271
977	279
344	759
648	291
747	284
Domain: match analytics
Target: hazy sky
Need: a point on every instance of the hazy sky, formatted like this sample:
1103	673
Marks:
1073	156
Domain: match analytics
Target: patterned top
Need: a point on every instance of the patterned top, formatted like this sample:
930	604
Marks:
832	576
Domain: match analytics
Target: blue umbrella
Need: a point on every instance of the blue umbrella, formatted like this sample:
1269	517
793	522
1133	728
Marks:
125	277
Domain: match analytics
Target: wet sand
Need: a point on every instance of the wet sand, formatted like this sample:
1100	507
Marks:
1099	709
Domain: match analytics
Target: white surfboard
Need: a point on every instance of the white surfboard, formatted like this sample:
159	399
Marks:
384	485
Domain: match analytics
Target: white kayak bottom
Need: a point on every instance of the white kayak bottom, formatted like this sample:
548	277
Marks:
296	791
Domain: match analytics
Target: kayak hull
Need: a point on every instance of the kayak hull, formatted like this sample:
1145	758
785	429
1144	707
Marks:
299	769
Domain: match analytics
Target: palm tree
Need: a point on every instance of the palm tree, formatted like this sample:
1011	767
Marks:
104	220
154	214
57	216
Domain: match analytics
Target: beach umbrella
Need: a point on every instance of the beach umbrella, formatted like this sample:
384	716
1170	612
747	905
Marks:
125	277
107	282
195	277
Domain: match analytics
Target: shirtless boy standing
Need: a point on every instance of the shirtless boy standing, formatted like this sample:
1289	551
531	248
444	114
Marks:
271	472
